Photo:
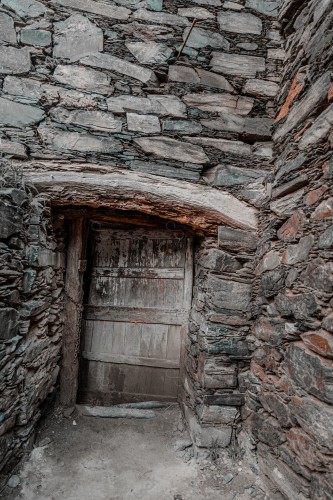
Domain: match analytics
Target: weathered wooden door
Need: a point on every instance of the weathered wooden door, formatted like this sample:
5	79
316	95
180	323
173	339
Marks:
138	305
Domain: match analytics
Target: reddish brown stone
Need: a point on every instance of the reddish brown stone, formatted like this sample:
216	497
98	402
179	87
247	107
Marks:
320	342
288	231
304	448
266	429
325	209
269	261
313	196
330	94
294	91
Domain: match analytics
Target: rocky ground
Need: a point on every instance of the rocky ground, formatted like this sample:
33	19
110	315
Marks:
77	457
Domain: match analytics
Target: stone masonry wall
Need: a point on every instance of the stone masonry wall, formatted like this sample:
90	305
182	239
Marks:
99	83
31	280
289	399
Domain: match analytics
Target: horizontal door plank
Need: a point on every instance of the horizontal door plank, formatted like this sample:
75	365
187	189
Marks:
142	273
171	232
136	315
130	360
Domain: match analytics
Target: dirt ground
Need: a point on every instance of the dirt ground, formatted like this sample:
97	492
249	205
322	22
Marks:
89	458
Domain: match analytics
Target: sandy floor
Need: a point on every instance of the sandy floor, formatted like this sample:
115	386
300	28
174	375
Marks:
122	459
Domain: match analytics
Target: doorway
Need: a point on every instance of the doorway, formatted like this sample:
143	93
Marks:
138	291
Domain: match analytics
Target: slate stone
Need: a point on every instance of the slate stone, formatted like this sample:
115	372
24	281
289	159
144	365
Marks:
218	376
272	282
9	320
150	52
200	38
39	38
15	114
14	61
237	64
182	126
231	295
326	239
266	7
319	130
266	429
7	30
10	220
162	105
170	148
289	166
313	98
239	22
299	252
319	275
328	322
160	18
156	5
320	342
229	399
14	149
94	120
217	414
224	145
232	5
196	13
203	436
228	345
187	74
98	8
76	37
82	78
111	63
228	175
218	261
268	262
290	187
165	170
146	31
301	306
287	204
260	88
247	46
73	141
148	124
248	127
219	103
236	240
26	8
312	372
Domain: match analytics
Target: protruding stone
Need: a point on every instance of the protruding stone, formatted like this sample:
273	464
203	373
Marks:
73	141
196	13
108	62
160	18
289	229
237	64
149	52
7	30
324	210
219	103
83	78
94	120
239	22
14	61
313	196
200	38
26	8
9	320
326	238
298	253
236	239
231	295
14	149
35	37
15	114
162	105
224	145
320	342
203	436
217	414
97	8
76	37
165	147
187	74
260	88
301	305
148	124
228	175
266	7
182	126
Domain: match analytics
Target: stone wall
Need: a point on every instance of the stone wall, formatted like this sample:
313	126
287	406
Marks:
98	84
31	280
289	399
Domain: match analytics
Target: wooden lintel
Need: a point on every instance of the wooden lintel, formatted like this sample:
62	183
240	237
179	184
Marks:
194	205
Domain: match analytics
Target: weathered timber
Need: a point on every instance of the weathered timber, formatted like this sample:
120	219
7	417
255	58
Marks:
197	206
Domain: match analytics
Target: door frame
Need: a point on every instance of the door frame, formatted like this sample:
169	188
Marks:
74	293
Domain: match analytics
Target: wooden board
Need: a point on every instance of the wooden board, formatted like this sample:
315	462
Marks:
138	304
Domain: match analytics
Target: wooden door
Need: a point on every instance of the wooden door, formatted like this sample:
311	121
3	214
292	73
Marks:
138	305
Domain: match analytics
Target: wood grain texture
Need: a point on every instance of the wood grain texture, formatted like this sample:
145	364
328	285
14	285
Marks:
200	207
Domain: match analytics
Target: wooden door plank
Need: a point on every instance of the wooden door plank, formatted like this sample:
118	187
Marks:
139	272
130	360
136	315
